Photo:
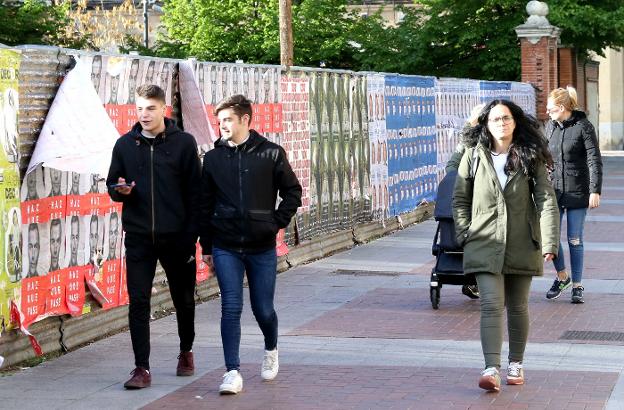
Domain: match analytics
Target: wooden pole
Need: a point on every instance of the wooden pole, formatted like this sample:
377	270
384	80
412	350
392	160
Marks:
286	36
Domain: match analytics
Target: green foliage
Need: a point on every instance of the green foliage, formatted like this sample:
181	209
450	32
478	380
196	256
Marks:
589	25
162	48
229	30
30	22
224	30
445	38
375	47
321	33
477	39
468	39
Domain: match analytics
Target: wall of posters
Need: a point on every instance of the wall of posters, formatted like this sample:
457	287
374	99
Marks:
378	146
339	151
72	235
115	78
365	146
295	96
521	93
261	84
10	235
455	99
411	129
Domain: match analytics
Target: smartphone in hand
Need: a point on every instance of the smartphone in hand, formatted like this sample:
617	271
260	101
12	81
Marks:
124	184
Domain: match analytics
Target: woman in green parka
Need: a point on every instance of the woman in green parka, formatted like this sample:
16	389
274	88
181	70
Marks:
507	220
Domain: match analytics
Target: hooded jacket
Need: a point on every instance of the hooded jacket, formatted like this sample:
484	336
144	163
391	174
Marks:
577	162
238	195
167	174
504	230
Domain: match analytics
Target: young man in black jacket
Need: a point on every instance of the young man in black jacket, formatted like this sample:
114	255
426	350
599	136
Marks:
241	179
155	172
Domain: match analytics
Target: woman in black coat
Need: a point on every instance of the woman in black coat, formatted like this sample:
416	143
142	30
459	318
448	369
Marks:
577	179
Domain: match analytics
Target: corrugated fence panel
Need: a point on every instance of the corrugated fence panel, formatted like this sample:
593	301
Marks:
41	72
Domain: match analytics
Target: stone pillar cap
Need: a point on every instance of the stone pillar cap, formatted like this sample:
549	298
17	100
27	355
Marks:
537	10
537	25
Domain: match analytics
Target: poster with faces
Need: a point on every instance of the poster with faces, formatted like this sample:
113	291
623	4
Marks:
112	236
77	204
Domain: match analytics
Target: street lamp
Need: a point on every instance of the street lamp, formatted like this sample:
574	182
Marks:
147	4
145	25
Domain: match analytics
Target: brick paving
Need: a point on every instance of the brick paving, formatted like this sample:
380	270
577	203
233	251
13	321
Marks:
407	314
370	341
597	264
392	387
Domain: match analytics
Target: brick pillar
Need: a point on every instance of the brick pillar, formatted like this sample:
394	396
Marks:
568	72
538	43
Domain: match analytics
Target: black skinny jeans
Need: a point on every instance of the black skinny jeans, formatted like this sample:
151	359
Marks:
176	254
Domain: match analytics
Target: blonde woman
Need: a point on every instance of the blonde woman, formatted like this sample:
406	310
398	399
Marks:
577	179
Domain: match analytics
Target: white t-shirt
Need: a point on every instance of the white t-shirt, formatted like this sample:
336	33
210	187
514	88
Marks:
147	134
499	161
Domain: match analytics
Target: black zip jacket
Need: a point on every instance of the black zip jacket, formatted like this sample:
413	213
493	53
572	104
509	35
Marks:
167	173
577	161
238	194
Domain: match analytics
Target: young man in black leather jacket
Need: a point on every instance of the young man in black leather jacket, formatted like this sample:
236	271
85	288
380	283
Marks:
241	179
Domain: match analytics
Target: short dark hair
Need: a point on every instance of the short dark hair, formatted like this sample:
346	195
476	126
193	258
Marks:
238	103
55	222
151	91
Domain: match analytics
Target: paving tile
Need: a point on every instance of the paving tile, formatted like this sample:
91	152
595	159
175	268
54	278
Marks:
358	387
393	313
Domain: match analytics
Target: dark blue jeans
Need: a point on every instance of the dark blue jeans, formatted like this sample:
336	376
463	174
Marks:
261	271
575	222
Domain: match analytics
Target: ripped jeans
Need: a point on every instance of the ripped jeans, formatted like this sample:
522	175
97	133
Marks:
575	222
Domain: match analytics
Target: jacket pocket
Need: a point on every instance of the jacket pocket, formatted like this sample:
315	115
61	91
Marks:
224	221
262	225
535	236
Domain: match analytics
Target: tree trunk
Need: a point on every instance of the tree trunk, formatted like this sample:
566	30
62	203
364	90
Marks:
286	36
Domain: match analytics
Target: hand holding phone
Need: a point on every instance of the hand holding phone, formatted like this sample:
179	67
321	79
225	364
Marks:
122	186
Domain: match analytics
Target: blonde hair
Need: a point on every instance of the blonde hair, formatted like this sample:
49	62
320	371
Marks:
566	97
474	114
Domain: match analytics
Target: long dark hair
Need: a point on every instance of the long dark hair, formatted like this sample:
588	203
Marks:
528	148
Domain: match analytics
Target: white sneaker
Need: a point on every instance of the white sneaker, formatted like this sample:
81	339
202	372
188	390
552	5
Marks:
270	365
515	373
490	379
232	383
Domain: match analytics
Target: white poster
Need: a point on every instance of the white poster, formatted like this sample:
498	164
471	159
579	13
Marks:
77	135
194	114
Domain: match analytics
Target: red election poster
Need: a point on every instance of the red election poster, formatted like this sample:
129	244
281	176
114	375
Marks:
33	299
110	281
55	296
203	272
74	280
124	298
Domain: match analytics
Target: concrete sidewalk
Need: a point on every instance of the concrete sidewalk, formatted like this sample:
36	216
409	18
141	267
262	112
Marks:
357	331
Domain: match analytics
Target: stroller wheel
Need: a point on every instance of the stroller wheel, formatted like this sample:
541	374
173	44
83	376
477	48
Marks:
434	295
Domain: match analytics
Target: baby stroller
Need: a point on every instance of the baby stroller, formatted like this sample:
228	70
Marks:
449	255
